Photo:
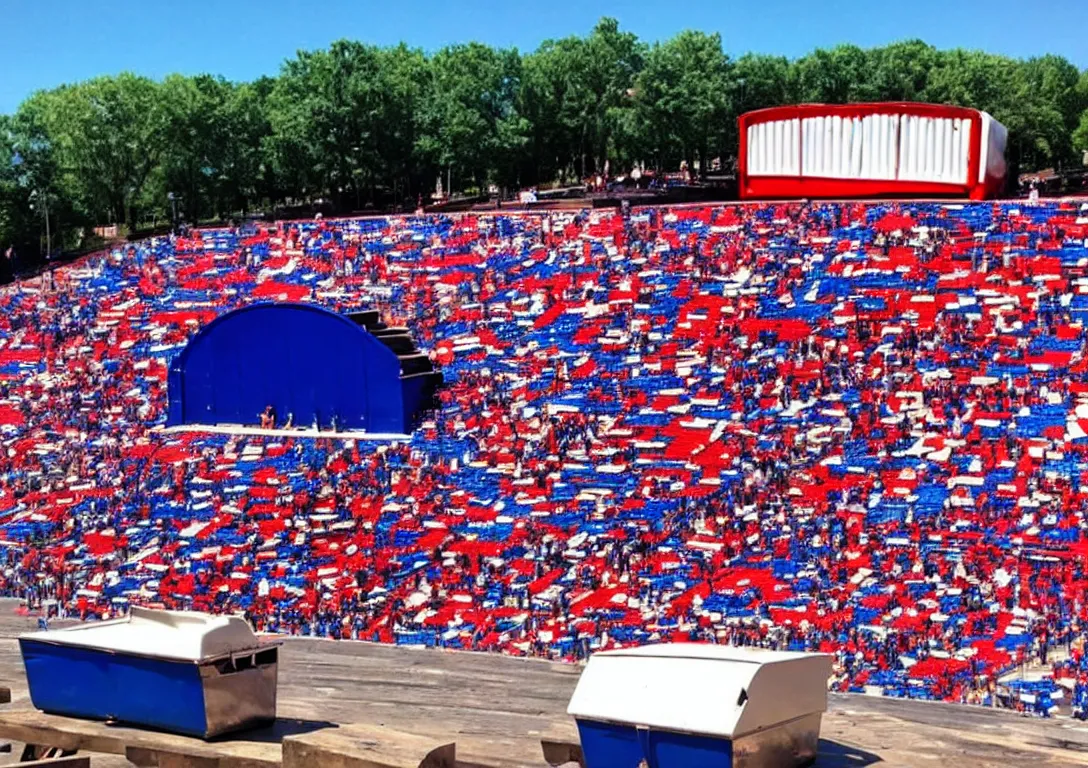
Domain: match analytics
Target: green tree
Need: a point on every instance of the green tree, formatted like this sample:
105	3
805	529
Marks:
17	225
1027	97
578	99
108	135
1047	92
199	133
404	77
682	97
837	76
316	109
604	78
344	122
1080	135
470	119
358	124
900	71
547	101
32	186
761	81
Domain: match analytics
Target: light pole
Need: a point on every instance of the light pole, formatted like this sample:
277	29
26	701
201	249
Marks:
48	234
738	101
38	195
174	209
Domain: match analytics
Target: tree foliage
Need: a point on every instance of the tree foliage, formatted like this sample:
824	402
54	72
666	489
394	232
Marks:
470	122
681	102
360	125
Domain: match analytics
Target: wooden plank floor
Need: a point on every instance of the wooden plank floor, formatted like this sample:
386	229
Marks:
498	709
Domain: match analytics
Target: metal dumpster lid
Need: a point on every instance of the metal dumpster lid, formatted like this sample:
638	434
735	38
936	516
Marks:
711	690
724	653
175	635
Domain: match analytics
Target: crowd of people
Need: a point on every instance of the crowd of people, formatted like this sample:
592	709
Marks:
852	428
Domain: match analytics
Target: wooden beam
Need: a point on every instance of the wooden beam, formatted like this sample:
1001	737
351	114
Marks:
153	758
561	752
361	746
74	761
150	749
33	727
156	757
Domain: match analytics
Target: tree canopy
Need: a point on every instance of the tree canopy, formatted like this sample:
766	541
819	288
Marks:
357	125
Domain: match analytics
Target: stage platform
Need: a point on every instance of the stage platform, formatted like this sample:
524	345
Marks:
307	432
341	702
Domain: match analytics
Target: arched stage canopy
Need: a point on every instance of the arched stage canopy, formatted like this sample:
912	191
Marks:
306	362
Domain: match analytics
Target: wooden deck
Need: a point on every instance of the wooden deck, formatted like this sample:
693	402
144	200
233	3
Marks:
359	704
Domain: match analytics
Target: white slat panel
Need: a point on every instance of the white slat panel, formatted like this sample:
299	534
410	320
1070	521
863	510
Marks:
965	148
773	148
880	144
931	142
940	129
881	169
893	146
817	152
904	143
994	141
776	147
915	168
754	151
844	148
768	148
876	146
767	139
778	137
781	155
856	147
827	158
915	142
866	144
806	147
933	149
750	157
955	169
948	170
765	148
793	149
954	173
836	147
918	163
984	145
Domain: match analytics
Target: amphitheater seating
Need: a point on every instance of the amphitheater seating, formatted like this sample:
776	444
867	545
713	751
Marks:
860	429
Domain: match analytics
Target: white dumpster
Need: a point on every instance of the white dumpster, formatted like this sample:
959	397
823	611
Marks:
694	706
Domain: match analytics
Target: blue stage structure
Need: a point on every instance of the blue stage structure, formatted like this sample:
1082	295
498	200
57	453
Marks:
311	365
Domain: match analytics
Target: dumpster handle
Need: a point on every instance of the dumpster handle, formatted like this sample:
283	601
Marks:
241	655
643	733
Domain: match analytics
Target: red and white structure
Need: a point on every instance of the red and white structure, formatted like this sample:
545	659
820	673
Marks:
871	150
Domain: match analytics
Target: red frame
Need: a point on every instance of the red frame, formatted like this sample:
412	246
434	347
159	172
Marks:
778	187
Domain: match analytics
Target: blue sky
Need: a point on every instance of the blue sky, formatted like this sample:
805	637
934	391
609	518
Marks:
49	42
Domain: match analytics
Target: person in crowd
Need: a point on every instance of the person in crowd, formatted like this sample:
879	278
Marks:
832	427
